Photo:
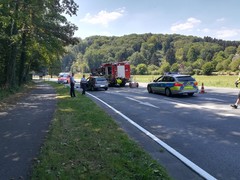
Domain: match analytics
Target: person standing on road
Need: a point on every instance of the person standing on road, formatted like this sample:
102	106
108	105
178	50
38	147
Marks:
83	84
72	84
238	99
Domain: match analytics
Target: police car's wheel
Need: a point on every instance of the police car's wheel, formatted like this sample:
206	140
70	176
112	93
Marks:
168	92
149	89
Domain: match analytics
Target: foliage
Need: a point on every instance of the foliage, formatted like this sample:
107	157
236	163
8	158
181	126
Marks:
207	68
182	53
165	67
141	69
33	35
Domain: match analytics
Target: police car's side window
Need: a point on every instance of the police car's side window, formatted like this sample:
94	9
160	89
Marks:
160	79
165	79
171	79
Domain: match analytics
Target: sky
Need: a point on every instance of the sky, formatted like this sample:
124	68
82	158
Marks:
214	18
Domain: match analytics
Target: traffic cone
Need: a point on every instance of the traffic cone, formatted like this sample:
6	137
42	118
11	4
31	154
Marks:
202	89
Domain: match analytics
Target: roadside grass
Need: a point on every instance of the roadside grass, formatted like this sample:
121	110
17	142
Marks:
84	142
217	81
213	81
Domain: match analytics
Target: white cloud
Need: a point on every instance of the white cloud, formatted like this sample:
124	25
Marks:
221	20
103	17
188	25
206	30
227	33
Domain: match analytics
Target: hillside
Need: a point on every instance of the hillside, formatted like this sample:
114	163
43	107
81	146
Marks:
155	54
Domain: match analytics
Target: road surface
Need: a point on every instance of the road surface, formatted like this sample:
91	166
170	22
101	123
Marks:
204	129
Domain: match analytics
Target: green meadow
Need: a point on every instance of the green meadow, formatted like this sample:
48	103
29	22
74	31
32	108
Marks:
212	81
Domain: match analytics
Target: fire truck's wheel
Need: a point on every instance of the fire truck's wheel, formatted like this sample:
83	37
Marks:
123	83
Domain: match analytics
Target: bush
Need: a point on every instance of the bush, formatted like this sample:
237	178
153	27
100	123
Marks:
207	68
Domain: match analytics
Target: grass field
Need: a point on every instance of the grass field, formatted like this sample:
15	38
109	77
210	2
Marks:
85	143
214	81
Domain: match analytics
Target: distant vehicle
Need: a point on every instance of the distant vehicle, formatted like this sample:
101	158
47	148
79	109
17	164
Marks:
117	74
96	83
63	78
170	84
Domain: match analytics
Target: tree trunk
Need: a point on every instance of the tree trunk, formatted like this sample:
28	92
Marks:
22	75
11	65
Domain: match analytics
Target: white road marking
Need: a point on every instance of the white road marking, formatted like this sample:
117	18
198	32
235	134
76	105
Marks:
206	107
228	114
186	161
179	104
213	99
143	103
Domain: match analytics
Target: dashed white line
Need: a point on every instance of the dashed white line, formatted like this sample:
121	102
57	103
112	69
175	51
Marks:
143	103
186	161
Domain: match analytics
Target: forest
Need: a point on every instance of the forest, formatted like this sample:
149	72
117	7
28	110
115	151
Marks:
33	37
155	54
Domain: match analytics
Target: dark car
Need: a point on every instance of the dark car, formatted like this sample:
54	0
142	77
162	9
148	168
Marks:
96	83
170	84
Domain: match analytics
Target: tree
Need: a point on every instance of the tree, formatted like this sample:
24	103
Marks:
174	67
230	50
133	69
170	56
219	66
141	69
165	67
33	30
192	54
179	54
136	58
207	68
234	65
152	69
225	64
93	58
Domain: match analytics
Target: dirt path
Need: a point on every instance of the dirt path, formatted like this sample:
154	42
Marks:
23	127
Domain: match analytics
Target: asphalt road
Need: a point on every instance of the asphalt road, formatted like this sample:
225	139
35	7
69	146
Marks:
203	128
22	131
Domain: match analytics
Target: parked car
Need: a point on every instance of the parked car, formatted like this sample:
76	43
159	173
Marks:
170	84
96	83
63	78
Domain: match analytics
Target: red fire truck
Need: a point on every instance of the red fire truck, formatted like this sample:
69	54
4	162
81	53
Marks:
117	74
